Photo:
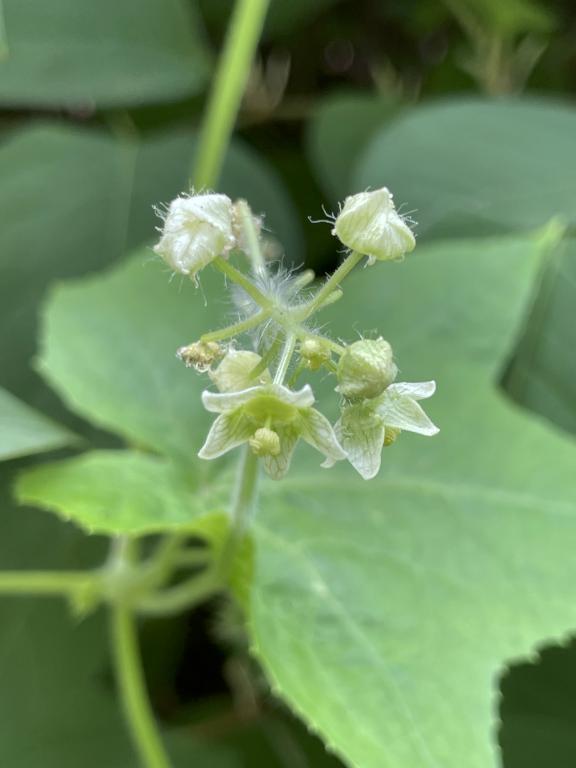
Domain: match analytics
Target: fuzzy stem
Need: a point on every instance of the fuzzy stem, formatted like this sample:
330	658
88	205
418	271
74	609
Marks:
229	84
240	279
285	358
333	282
237	328
254	251
130	676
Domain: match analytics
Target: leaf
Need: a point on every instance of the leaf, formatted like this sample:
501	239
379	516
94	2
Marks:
24	431
542	374
477	167
383	611
109	347
74	53
118	492
340	128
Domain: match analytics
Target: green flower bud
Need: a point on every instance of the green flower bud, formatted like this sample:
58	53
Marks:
197	229
314	353
365	369
370	224
235	371
200	354
265	442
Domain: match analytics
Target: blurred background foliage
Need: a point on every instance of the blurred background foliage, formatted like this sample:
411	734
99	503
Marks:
464	107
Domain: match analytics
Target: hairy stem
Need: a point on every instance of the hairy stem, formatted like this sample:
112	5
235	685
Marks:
240	279
333	282
285	358
229	84
237	328
135	702
254	251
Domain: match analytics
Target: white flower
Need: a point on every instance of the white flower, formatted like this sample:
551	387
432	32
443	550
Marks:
370	224
197	229
251	415
362	427
235	371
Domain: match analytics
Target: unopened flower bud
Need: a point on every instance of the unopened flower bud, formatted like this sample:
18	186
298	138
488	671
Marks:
197	229
200	354
314	353
370	224
265	442
390	435
236	371
366	368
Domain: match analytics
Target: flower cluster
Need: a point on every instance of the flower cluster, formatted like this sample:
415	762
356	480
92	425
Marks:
258	401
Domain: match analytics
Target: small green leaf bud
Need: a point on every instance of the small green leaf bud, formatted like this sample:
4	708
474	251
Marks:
370	224
314	353
197	229
265	442
235	372
365	369
200	354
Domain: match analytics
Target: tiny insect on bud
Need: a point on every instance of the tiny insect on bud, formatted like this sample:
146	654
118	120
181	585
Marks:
370	224
365	369
314	353
200	354
197	229
236	371
265	442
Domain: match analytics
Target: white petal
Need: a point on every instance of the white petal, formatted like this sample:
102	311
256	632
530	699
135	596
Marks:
418	390
318	432
363	442
303	398
277	466
404	413
227	432
223	402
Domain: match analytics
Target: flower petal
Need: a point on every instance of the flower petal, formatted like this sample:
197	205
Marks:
318	432
417	390
362	439
303	398
223	402
403	412
228	431
277	466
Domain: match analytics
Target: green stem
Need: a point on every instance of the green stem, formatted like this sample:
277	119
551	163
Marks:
254	251
243	500
240	279
184	596
237	328
333	282
229	84
286	357
135	702
45	582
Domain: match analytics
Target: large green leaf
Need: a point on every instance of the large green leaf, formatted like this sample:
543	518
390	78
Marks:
74	53
114	492
384	611
109	348
477	167
23	430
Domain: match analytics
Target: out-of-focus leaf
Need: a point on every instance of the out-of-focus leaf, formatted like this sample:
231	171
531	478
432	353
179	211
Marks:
338	133
542	374
73	201
477	167
118	492
406	595
75	53
24	431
